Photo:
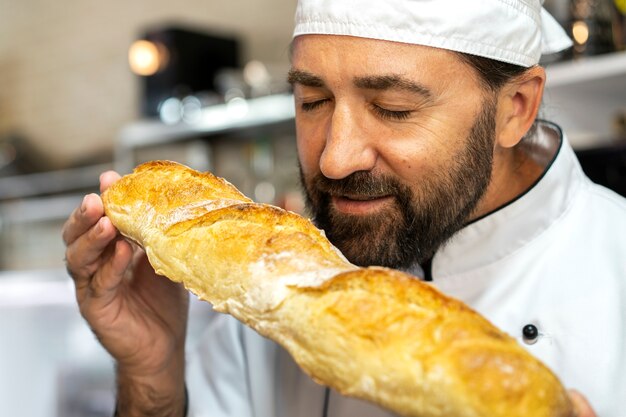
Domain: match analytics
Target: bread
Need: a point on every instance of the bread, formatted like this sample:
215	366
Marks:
372	333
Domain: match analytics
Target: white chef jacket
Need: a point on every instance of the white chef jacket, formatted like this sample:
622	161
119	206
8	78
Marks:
555	257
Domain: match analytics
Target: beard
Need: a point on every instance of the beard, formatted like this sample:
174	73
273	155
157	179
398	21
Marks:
420	220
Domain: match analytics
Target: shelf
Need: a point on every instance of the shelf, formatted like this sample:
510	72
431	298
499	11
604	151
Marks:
589	69
238	114
585	96
51	182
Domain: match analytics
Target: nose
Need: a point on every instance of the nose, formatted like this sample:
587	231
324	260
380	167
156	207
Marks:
348	147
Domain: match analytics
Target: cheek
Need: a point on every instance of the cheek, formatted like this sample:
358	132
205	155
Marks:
412	167
411	157
422	157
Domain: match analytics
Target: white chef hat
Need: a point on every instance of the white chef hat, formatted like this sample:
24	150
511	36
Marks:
513	31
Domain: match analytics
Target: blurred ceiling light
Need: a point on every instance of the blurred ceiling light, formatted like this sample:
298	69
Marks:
147	58
580	32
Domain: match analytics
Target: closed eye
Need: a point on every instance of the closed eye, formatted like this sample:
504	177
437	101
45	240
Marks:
392	114
314	104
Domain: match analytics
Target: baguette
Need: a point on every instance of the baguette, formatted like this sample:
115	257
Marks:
371	333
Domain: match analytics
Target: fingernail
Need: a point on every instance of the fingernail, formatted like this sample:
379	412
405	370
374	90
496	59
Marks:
83	205
99	227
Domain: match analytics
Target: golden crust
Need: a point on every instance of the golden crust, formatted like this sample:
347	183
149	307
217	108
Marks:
373	333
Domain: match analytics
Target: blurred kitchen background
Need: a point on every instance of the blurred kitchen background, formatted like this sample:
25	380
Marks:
89	86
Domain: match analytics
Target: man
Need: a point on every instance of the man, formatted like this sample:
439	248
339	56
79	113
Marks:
413	121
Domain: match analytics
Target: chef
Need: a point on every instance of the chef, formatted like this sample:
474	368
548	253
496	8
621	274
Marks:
420	149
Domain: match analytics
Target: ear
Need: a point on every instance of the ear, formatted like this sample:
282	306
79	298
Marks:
518	104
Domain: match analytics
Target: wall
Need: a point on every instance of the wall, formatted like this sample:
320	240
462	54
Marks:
64	78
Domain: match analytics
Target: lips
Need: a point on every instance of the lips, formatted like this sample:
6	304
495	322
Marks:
360	205
361	198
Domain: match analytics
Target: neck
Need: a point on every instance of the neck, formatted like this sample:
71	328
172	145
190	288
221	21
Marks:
514	172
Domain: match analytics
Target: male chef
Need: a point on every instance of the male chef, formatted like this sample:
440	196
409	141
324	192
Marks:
420	149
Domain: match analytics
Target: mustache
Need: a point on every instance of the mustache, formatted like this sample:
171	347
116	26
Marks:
360	183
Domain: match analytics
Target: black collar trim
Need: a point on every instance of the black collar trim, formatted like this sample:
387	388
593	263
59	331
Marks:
545	171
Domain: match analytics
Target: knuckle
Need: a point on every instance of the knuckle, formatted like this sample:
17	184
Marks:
78	270
72	259
74	226
70	263
67	230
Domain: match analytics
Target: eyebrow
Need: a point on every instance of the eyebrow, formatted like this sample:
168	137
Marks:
392	82
373	82
305	78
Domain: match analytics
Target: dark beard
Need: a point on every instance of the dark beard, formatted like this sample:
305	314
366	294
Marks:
420	221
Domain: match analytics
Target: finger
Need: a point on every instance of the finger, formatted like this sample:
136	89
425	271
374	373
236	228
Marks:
581	405
111	275
82	218
84	255
107	179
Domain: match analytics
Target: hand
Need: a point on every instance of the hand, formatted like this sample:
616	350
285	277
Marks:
139	317
581	405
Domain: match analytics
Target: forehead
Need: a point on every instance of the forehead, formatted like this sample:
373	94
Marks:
346	56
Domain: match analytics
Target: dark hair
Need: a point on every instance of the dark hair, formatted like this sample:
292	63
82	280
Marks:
493	74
